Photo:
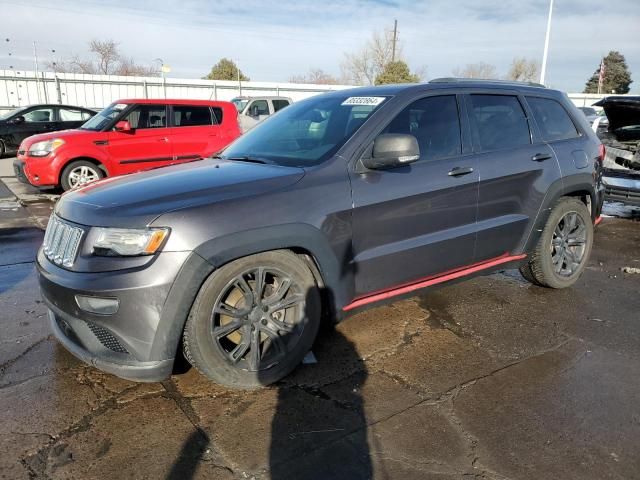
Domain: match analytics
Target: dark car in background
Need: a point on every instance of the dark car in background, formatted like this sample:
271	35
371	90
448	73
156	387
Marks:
23	122
335	203
622	139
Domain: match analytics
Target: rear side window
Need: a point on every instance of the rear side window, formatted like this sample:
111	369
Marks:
191	116
279	104
70	115
217	115
552	119
147	116
499	122
435	123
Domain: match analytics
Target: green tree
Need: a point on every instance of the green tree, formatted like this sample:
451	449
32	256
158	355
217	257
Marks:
617	77
226	69
396	72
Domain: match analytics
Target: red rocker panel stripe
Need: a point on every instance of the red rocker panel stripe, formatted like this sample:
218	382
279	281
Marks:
433	280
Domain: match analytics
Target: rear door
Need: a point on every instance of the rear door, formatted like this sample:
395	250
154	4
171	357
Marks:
516	170
418	220
195	132
146	145
69	118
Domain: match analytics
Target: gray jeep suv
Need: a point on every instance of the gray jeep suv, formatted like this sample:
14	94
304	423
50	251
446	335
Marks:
335	203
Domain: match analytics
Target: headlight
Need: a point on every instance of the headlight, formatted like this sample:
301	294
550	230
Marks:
42	149
128	242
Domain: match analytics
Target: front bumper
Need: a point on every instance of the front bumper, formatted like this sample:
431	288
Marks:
18	170
622	186
138	342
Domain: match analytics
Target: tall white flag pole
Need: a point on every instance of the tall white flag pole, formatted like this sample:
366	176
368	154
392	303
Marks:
543	70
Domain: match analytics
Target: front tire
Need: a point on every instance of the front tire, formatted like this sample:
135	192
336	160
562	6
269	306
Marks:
563	250
253	320
78	173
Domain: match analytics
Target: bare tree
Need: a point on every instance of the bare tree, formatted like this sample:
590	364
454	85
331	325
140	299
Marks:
476	70
109	61
317	76
107	53
363	66
524	70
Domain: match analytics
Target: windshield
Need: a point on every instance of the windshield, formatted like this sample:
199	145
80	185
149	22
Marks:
4	116
105	117
306	133
240	103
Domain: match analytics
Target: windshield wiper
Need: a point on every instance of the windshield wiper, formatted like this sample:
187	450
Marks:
243	158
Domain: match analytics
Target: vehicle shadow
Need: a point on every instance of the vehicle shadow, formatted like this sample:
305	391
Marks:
315	435
184	468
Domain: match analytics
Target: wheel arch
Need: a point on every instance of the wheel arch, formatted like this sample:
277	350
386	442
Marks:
95	161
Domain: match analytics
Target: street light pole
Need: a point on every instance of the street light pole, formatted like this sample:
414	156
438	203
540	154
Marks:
543	70
35	62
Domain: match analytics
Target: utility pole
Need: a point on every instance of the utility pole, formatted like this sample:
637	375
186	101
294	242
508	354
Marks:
239	82
543	70
395	39
35	62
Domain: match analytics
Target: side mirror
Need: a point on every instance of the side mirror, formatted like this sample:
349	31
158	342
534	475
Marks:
392	150
123	126
18	120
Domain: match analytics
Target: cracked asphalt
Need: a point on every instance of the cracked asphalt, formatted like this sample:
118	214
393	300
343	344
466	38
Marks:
491	378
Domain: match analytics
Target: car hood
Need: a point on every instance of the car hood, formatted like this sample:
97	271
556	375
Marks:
621	111
65	134
131	201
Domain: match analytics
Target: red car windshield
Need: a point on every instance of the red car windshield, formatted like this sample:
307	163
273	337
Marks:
104	117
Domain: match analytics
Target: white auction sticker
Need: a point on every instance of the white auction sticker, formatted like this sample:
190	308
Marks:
373	101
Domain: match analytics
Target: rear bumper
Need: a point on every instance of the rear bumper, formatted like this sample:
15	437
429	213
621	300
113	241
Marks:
621	186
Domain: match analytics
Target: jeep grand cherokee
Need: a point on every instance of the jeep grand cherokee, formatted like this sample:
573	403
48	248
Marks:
338	202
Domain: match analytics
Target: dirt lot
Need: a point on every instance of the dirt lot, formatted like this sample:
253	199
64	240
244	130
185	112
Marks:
491	378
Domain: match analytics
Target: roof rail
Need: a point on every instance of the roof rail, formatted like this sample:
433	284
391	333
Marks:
485	80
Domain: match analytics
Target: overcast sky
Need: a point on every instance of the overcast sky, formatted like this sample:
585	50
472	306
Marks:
274	40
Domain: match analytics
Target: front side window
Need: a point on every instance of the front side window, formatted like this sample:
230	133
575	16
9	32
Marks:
435	122
191	116
498	122
279	104
552	119
39	115
307	132
147	116
259	107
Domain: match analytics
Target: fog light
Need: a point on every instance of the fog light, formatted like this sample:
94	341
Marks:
98	305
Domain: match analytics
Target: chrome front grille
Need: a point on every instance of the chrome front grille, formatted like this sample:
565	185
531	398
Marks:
61	242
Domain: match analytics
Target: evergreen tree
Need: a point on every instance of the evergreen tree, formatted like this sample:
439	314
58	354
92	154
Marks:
226	69
617	77
396	72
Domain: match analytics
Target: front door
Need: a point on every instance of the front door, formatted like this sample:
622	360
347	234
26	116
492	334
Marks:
32	122
146	145
417	221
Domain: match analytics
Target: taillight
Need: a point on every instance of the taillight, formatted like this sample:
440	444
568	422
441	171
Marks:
602	152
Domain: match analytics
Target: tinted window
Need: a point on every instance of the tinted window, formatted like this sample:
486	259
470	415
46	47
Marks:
147	116
217	115
499	122
70	115
434	122
259	107
39	115
190	116
552	119
279	104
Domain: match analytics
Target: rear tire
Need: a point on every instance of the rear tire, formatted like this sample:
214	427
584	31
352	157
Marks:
78	173
253	320
563	250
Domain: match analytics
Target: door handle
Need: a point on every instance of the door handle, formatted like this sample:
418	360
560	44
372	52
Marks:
458	171
539	157
163	139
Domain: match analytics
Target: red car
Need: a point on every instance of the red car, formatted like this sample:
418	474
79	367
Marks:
125	137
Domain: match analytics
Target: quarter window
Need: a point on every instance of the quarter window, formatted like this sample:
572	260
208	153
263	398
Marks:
434	121
552	119
499	122
147	116
190	116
